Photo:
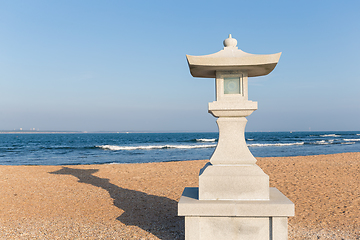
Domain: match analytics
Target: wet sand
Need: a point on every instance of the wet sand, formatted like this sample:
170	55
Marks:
139	201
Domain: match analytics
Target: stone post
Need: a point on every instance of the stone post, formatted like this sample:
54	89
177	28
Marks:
233	200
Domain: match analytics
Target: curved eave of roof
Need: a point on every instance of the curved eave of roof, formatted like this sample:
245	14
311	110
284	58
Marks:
232	59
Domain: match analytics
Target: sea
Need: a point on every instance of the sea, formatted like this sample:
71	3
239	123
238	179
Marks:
115	148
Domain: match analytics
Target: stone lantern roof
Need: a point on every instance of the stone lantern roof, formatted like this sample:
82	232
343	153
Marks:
232	59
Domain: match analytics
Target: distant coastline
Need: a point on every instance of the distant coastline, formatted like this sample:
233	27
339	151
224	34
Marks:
78	132
50	132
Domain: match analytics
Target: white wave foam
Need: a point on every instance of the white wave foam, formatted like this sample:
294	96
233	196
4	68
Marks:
330	135
358	134
250	139
206	140
352	140
348	143
190	146
323	142
150	147
274	144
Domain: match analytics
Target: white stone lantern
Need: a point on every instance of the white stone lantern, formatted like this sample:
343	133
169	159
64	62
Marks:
233	200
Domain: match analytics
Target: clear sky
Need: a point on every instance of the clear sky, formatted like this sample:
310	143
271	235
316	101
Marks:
120	65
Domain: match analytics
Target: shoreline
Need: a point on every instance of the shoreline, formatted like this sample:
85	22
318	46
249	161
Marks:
170	161
139	200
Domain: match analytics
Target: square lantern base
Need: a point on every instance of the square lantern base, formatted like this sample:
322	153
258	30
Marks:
234	219
233	182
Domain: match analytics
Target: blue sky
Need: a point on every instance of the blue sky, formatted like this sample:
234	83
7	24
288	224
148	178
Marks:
121	66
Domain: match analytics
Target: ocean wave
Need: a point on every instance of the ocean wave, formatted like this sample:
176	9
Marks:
352	140
65	147
274	144
249	139
206	140
323	142
348	143
330	135
151	147
5	149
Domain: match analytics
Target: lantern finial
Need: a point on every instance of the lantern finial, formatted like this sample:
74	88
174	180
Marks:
230	42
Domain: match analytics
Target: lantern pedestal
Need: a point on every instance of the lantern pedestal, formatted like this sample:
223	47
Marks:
250	220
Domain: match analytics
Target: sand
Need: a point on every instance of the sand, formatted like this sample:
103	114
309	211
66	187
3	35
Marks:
139	201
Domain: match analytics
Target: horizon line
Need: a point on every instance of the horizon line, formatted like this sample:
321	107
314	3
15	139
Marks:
128	132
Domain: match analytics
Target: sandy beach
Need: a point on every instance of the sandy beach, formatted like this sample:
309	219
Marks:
139	201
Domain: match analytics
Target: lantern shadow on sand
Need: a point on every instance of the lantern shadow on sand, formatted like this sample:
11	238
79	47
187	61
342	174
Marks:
154	214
